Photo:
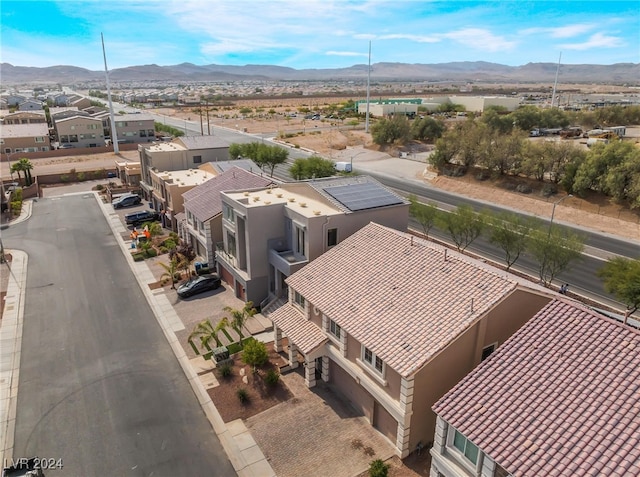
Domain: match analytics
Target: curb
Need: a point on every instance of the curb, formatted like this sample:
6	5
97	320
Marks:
10	350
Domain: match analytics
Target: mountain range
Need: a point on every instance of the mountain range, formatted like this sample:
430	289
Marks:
478	71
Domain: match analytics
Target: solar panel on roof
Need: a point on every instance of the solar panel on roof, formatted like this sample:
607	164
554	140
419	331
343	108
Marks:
363	196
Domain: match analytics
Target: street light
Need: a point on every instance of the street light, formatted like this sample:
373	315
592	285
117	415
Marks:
356	155
553	211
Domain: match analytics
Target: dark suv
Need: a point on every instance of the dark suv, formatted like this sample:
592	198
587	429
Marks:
126	200
137	218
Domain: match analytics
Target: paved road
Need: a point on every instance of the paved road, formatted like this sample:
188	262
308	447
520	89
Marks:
99	387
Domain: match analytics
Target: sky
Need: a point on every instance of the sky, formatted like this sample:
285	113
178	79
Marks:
322	34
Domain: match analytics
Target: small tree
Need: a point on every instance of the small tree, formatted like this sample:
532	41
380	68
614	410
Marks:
464	225
312	167
239	317
424	214
170	271
621	277
254	353
205	332
511	233
554	250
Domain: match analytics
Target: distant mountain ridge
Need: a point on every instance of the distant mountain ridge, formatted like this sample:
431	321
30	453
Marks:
619	73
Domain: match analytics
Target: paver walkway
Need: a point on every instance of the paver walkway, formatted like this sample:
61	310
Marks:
315	434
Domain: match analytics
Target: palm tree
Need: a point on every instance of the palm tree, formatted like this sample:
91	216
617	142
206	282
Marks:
206	332
26	166
240	317
170	271
15	167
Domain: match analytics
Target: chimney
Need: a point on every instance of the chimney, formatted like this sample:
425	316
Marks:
445	254
412	240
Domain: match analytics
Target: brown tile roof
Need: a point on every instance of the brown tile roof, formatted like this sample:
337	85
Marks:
303	333
398	295
560	397
204	200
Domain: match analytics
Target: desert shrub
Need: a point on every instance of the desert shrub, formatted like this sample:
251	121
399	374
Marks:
17	194
549	189
16	207
225	370
243	395
150	252
99	187
81	176
378	468
138	257
169	243
524	188
64	178
272	377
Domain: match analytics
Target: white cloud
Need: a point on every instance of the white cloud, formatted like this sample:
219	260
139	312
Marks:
480	39
598	40
405	36
566	31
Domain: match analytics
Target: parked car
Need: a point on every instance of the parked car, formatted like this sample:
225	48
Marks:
137	218
127	200
199	284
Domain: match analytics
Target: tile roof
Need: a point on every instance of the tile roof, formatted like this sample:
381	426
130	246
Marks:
204	200
560	397
305	334
403	298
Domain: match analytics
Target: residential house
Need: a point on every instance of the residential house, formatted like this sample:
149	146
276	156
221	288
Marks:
132	128
128	172
270	233
201	223
560	397
181	154
25	117
392	322
168	187
24	138
79	131
31	105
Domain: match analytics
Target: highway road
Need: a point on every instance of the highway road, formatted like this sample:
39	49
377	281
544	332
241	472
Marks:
100	387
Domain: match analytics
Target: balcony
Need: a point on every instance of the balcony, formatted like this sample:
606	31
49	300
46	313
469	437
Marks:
286	261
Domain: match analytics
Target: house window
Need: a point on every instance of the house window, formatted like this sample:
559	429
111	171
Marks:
197	159
487	350
372	360
298	299
92	126
466	447
332	237
142	133
228	213
334	329
300	241
39	139
73	138
231	244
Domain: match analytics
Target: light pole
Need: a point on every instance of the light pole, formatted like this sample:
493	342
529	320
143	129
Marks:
553	211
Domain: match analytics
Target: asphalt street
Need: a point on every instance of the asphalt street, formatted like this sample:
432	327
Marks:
100	389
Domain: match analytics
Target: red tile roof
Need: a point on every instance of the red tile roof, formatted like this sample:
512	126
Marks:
306	335
562	394
403	298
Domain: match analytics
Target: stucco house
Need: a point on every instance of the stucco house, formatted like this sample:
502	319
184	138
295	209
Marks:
79	131
269	233
392	322
132	128
33	137
201	223
181	154
560	397
25	117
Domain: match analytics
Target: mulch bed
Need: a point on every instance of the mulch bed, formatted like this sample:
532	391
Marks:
261	396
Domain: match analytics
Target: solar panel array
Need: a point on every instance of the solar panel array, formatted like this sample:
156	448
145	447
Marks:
363	196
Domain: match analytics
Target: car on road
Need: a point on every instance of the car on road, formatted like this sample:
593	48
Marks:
127	200
137	218
199	284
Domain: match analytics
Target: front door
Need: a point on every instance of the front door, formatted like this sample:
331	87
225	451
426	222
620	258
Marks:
319	368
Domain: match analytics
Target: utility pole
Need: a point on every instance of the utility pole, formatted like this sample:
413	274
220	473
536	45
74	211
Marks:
366	121
114	133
